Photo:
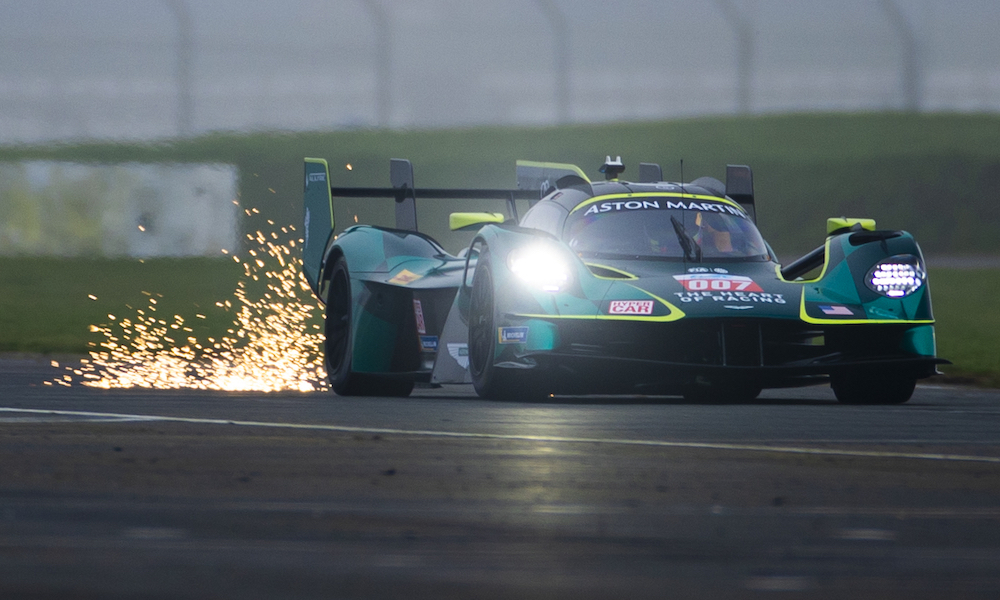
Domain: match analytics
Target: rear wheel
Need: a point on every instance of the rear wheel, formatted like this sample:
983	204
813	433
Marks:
489	380
873	388
339	341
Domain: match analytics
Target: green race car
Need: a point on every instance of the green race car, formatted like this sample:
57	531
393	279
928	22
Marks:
613	287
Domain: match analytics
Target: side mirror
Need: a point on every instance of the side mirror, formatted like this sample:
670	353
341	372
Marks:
468	220
835	225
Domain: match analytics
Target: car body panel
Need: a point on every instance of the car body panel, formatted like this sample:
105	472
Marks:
622	323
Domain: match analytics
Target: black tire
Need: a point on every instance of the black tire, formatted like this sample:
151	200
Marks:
873	388
337	347
490	381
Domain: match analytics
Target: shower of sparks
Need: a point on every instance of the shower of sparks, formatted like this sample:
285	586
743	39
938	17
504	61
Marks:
274	344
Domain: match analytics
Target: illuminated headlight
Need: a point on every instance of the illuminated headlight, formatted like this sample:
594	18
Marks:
540	266
897	276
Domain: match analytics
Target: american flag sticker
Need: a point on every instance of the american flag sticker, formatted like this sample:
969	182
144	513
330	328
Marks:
836	309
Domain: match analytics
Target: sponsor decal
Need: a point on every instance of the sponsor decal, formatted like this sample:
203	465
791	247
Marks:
738	306
314	177
717	282
429	343
306	241
707	270
836	309
418	312
631	307
405	277
646	204
512	335
460	352
751	297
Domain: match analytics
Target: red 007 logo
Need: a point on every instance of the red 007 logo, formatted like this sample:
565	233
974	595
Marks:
714	282
631	307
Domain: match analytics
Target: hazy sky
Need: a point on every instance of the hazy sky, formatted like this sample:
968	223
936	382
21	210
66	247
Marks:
108	68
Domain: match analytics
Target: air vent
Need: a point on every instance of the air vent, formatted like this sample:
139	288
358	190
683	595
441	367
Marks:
608	272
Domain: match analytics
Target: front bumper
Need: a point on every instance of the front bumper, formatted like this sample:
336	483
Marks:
625	356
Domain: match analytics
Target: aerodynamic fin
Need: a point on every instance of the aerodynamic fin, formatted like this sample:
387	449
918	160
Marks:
739	187
401	177
319	220
650	173
542	177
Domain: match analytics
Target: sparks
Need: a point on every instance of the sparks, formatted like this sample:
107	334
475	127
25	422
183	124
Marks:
270	348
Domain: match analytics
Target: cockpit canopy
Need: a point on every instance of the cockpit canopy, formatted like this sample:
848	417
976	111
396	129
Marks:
663	227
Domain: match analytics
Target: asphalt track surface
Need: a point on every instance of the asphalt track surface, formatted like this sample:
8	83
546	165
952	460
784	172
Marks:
182	494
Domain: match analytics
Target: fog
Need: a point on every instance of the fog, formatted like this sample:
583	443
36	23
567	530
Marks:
152	69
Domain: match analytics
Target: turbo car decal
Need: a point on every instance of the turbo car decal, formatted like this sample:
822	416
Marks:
675	313
631	307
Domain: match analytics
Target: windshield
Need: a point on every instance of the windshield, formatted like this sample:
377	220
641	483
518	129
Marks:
663	227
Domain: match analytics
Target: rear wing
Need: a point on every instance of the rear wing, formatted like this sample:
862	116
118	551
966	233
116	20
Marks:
319	194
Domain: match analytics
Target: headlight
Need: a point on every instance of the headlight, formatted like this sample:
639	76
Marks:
540	266
897	276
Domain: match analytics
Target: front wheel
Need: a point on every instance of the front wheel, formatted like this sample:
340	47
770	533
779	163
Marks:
339	342
873	388
489	380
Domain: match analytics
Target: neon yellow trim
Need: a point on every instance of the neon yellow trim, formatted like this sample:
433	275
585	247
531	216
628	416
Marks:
461	220
835	223
551	165
676	314
599	266
822	273
818	321
329	195
658	195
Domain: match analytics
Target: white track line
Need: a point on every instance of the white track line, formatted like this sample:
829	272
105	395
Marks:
527	438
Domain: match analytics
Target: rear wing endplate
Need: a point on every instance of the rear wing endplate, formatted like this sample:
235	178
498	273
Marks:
544	177
739	187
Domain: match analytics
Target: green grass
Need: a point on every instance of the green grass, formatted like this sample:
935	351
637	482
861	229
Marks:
936	175
44	305
968	323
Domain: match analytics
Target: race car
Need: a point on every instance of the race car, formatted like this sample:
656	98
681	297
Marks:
613	287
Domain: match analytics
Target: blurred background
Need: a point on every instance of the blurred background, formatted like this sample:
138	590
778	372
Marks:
175	129
151	69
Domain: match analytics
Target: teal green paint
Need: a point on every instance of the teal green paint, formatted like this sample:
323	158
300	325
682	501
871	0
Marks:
318	218
373	354
542	335
920	340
